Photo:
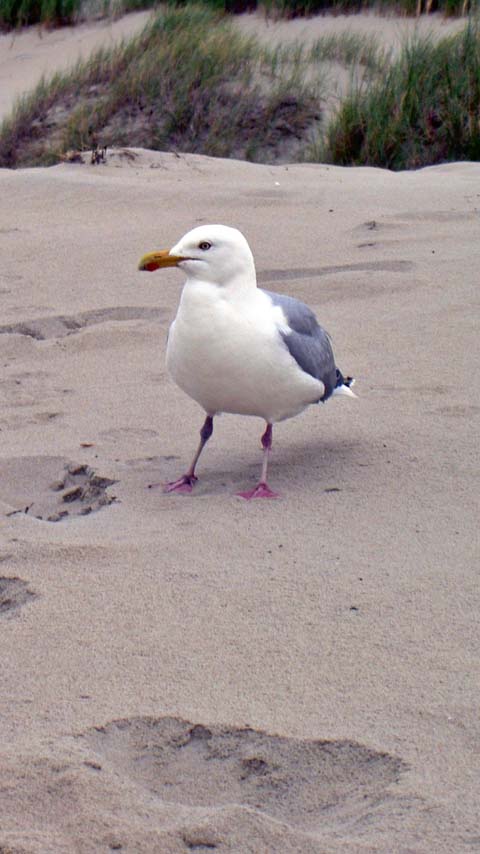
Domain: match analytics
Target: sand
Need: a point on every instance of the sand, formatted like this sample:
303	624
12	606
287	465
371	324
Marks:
196	673
390	31
28	54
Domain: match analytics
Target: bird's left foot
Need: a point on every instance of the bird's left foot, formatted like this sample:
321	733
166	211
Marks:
183	484
262	490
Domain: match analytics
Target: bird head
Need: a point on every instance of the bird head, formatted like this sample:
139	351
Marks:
210	253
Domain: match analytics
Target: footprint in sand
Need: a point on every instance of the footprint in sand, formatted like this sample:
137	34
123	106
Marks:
58	326
14	593
51	488
287	779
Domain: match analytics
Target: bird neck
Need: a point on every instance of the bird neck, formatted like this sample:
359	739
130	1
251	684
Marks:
242	281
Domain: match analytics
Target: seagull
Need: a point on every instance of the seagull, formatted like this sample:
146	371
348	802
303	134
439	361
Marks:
234	347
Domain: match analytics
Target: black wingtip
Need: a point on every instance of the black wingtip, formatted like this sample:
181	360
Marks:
341	380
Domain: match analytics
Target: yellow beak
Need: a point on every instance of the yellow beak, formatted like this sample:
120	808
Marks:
162	258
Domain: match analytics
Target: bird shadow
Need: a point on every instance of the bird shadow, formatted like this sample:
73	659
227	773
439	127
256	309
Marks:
290	466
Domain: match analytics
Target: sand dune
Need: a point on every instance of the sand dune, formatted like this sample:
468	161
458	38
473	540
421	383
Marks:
35	51
27	55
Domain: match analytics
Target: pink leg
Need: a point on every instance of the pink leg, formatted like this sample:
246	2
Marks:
187	481
262	490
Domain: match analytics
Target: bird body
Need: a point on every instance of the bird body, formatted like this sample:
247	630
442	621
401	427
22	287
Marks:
241	369
236	348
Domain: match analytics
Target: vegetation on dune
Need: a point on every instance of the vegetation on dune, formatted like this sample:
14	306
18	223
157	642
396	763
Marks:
351	50
295	8
424	109
188	82
19	13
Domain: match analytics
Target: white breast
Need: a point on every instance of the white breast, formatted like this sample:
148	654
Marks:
225	351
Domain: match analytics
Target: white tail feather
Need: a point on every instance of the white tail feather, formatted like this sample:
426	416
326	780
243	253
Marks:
344	389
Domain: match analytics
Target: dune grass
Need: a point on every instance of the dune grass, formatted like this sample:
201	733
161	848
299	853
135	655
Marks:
191	83
350	49
187	82
347	48
295	8
424	109
19	13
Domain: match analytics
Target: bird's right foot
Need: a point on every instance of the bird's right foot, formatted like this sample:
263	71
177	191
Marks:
184	484
262	490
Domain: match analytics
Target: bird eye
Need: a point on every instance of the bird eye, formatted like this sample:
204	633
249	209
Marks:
204	245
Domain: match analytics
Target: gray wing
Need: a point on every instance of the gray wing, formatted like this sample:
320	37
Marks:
308	342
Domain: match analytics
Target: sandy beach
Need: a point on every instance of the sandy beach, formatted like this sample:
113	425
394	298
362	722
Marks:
194	673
